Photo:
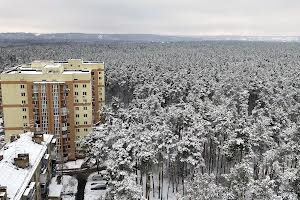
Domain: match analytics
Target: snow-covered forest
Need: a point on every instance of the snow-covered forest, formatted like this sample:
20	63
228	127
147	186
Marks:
207	120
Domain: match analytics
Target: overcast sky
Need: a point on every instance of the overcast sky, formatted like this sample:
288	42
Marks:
173	17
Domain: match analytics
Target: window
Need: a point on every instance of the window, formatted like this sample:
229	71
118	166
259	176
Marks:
76	100
77	144
77	130
99	77
99	72
23	94
76	85
77	115
92	73
23	86
84	93
23	101
24	109
85	115
24	117
76	108
76	93
84	108
84	85
77	123
85	129
85	122
69	146
25	124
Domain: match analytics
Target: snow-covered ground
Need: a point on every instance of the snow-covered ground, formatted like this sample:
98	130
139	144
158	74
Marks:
74	164
93	194
167	188
68	187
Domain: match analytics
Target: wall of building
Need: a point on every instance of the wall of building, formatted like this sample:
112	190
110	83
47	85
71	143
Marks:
84	105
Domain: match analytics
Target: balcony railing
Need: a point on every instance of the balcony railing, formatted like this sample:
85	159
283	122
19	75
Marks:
63	111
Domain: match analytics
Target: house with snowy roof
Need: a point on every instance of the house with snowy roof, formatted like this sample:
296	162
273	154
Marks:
26	167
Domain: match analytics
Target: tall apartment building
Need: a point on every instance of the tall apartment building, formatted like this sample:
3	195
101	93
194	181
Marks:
59	98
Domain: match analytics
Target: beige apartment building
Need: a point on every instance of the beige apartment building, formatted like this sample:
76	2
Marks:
60	98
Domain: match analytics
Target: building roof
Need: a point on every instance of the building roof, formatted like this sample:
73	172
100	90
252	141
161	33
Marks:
22	70
55	189
14	178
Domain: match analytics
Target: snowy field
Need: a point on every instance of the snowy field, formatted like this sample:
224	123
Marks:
90	194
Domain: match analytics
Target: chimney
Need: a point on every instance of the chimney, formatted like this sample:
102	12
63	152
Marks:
3	193
22	160
38	138
14	138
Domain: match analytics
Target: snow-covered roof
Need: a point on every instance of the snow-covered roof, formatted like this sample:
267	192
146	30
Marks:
35	71
76	72
20	71
55	189
53	65
14	178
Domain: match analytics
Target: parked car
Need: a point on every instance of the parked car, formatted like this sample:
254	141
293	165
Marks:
99	185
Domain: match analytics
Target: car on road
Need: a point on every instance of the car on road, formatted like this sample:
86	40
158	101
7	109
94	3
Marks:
99	182
99	186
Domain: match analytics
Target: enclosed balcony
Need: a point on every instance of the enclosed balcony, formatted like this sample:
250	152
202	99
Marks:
64	111
64	128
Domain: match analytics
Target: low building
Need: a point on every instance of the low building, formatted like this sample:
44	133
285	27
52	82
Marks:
26	167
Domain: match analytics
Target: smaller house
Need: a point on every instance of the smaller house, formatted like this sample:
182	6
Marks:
26	166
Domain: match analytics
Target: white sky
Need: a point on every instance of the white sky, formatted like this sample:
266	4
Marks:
174	17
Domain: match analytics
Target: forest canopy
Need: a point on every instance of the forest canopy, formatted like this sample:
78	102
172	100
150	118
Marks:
213	120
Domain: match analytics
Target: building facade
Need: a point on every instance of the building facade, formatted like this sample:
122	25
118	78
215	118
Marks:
59	98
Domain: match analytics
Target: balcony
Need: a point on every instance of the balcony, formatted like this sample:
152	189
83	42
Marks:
64	128
35	90
44	177
64	111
